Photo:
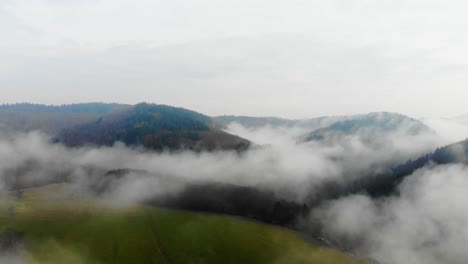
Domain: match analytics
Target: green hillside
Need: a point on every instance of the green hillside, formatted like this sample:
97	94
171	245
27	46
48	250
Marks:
57	229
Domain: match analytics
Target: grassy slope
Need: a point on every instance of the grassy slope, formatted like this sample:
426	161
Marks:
61	230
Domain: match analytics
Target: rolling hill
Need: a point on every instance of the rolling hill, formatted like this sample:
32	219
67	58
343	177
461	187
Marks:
49	225
52	119
370	125
387	183
155	127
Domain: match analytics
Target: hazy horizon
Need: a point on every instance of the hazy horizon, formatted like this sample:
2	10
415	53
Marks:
246	115
256	58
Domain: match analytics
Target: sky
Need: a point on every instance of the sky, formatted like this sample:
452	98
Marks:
294	59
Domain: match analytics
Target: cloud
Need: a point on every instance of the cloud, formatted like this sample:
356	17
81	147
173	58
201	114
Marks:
426	223
281	164
449	129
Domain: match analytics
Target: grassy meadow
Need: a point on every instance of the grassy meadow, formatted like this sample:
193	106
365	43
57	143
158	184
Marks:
57	228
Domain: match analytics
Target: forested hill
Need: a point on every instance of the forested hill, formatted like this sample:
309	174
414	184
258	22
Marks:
369	125
98	108
387	183
155	127
52	119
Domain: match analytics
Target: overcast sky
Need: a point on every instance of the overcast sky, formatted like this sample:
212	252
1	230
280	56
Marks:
294	58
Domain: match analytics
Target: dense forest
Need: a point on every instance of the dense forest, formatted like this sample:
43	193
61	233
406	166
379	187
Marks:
52	119
155	127
152	126
99	108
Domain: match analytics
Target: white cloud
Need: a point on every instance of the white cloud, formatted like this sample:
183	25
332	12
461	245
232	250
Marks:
426	223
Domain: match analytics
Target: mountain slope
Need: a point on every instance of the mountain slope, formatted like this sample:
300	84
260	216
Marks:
52	119
155	127
387	183
369	125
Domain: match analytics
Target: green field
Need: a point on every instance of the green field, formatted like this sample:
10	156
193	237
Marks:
61	229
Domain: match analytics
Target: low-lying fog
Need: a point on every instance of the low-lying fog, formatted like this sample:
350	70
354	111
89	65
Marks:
425	223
